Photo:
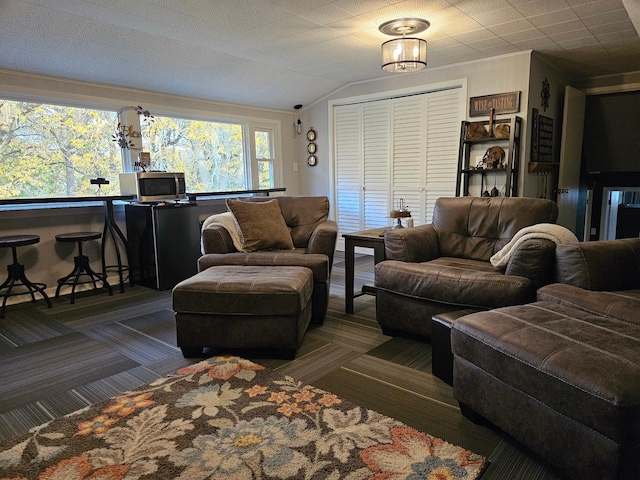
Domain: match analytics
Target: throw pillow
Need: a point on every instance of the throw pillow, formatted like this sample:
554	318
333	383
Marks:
261	225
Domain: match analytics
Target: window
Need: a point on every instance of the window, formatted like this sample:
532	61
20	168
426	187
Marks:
265	157
53	150
210	153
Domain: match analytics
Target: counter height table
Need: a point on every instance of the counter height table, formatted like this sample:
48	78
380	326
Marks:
110	229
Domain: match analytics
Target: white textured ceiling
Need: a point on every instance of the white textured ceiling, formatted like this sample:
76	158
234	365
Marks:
278	53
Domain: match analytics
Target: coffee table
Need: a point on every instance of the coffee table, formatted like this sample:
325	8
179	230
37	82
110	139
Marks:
366	239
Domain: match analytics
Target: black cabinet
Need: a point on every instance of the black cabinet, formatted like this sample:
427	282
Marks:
163	243
502	176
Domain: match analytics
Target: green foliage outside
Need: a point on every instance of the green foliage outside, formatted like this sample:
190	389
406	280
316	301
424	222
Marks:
210	154
53	151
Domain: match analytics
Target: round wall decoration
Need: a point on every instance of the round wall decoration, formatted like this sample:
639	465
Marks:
312	148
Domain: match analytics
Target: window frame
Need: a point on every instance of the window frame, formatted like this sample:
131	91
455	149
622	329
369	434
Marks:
273	131
249	126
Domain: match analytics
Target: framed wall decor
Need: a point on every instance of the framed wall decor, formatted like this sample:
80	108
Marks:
312	148
311	135
541	137
500	102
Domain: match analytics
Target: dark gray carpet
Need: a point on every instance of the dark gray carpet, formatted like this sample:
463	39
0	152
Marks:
55	361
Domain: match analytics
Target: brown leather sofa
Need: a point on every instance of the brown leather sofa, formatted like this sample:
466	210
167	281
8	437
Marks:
314	240
609	270
562	374
445	266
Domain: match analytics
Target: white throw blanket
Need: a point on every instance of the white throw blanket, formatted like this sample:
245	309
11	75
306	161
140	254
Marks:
228	221
548	231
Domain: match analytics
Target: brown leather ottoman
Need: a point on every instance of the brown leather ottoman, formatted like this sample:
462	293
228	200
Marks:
243	307
562	381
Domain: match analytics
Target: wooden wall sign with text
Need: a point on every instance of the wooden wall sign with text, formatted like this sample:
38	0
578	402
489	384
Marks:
541	137
501	102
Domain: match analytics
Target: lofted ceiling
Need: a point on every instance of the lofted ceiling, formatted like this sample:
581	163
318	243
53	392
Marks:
278	53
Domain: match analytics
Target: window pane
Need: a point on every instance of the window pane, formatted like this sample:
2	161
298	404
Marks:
52	150
263	145
265	174
211	154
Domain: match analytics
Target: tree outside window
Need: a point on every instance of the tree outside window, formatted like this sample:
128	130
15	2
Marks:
211	154
54	151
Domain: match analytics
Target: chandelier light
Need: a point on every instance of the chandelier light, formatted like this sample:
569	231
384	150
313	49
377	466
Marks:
406	54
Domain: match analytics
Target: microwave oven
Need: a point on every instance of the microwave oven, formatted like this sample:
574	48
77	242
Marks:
154	186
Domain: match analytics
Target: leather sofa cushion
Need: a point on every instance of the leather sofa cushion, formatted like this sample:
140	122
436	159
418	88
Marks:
476	283
581	365
477	228
601	265
318	263
623	304
245	290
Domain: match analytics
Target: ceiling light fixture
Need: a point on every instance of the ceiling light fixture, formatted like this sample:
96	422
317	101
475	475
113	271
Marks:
406	54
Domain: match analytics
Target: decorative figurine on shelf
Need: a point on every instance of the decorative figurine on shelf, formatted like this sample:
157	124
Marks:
402	211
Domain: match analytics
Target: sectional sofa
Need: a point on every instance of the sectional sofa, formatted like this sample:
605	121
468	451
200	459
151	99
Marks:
562	374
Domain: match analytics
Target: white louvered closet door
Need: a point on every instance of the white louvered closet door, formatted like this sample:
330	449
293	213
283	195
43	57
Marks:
425	150
348	167
444	112
395	148
376	122
409	154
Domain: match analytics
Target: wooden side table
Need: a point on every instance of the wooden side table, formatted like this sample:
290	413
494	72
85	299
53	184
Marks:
366	239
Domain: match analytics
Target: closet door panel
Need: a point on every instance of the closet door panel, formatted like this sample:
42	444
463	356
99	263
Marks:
348	154
443	116
408	155
376	123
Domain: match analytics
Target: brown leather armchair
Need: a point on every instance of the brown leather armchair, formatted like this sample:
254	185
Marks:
314	240
445	266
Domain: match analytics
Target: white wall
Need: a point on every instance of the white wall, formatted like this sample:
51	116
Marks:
501	74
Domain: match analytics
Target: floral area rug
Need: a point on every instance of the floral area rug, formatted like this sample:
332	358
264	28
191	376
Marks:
229	418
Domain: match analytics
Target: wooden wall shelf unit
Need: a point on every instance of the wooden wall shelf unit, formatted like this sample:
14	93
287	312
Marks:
478	146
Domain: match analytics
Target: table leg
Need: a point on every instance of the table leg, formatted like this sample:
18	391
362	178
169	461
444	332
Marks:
112	230
378	253
349	261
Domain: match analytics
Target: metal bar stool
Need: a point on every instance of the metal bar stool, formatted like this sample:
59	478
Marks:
17	277
82	267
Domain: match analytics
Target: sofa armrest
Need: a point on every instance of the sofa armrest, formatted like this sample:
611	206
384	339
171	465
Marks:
601	265
323	240
216	239
415	244
533	259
